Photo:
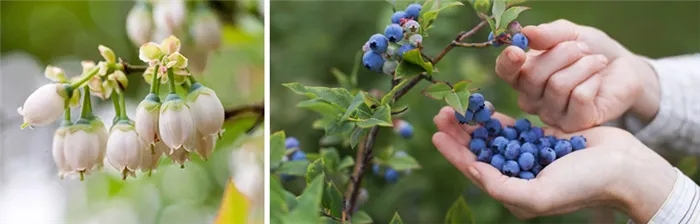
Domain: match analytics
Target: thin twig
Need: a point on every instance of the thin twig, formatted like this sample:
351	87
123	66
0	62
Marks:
461	36
324	213
484	44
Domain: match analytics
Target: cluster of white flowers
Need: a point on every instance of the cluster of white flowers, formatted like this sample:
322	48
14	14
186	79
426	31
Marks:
175	128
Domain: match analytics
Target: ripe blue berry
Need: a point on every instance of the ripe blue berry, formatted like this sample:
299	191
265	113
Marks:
543	143
476	145
376	169
411	27
482	115
562	148
291	142
378	43
529	147
512	150
537	168
498	161
397	16
539	133
493	125
476	102
460	118
298	155
509	133
485	155
373	61
526	161
499	144
391	175
552	140
404	129
481	133
394	33
520	40
405	48
578	142
413	11
469	115
522	125
527	136
495	43
527	175
547	156
511	168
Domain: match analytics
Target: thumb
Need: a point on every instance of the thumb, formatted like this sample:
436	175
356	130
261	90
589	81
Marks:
548	35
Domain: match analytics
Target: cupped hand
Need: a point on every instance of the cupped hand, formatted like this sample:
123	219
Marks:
577	77
614	171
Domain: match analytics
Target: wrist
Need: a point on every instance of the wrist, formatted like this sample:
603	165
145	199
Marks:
647	104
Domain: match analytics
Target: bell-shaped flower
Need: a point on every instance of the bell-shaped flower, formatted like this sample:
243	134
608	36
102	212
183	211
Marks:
102	135
44	105
175	123
139	23
58	149
82	147
107	54
146	121
149	52
179	156
124	148
169	15
207	110
205	145
205	29
150	158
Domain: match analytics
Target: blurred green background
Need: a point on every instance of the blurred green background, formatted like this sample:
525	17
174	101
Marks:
62	33
308	38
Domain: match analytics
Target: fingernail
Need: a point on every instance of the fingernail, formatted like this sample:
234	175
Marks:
583	47
474	172
513	57
602	59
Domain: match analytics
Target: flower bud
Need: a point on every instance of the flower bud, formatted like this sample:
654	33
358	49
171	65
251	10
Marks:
82	147
107	54
207	110
139	24
44	105
119	77
58	148
149	159
169	14
205	29
175	124
124	148
170	45
55	74
146	122
205	145
179	156
150	52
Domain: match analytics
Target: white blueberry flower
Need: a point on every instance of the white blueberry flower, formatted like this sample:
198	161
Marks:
169	14
82	147
124	148
139	23
58	148
207	110
170	45
176	126
205	29
247	171
149	159
102	136
146	120
44	105
180	156
205	144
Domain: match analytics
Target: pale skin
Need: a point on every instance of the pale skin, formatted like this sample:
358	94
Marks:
574	78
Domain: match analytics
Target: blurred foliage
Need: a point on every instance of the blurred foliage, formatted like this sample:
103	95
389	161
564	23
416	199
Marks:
67	32
306	46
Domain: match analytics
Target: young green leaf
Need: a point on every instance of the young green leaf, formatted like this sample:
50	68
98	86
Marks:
361	217
331	158
461	86
348	161
396	219
457	103
414	57
335	96
308	203
459	212
510	15
513	2
492	24
339	127
359	99
294	168
333	199
278	204
380	117
499	6
315	169
400	163
481	6
322	107
437	91
388	96
407	70
277	148
355	136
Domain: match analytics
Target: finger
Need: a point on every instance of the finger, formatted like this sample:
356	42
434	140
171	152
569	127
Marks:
561	84
454	152
447	123
548	35
514	191
581	112
537	70
504	119
508	64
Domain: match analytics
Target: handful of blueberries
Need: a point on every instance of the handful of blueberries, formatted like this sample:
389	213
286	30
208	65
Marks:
517	151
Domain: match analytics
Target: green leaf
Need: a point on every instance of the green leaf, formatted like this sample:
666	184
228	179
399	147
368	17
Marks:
320	106
461	86
294	168
396	219
492	24
400	163
459	212
514	2
340	127
359	99
348	161
341	77
314	170
369	100
388	96
380	117
437	91
277	148
510	15
331	158
361	217
414	57
333	199
335	96
308	203
400	110
407	70
481	6
428	18
688	165
498	7
456	102
356	68
355	136
278	204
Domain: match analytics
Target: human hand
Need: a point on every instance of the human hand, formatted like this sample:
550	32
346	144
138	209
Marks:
576	77
615	170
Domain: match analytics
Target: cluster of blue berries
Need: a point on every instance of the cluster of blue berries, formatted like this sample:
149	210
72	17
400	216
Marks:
294	153
390	174
513	33
403	128
384	51
517	151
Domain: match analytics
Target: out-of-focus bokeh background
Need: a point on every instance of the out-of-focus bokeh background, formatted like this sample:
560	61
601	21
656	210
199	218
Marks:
308	38
224	42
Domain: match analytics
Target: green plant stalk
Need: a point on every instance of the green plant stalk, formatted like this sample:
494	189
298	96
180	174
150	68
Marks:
86	109
87	77
155	82
171	81
115	102
66	113
191	78
122	102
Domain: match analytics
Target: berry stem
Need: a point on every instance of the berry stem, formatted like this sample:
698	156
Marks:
115	102
122	105
86	78
86	109
171	80
155	81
